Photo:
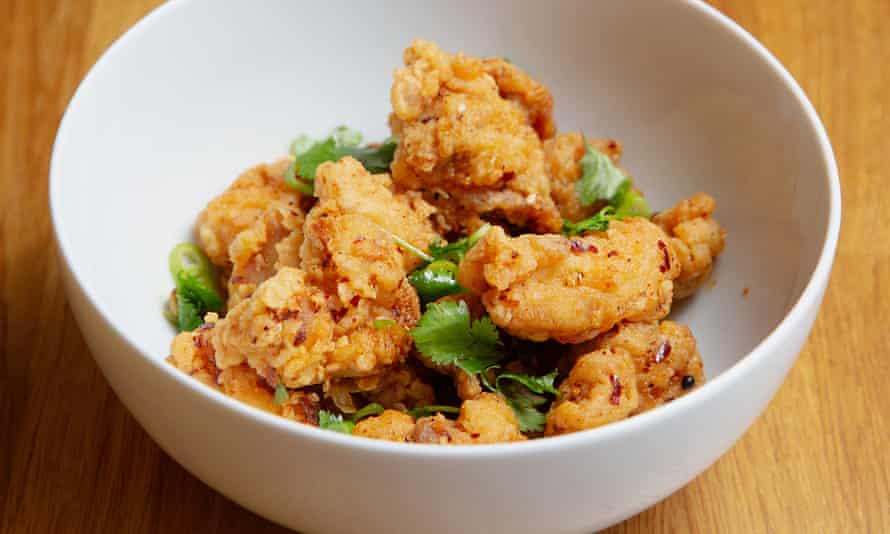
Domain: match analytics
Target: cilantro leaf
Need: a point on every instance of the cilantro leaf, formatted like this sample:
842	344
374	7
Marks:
335	422
525	405
600	178
331	421
536	384
342	142
598	222
446	336
524	394
196	286
432	409
189	316
632	204
456	251
281	394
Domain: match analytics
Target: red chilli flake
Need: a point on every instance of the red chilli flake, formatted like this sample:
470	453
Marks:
666	264
615	398
579	246
663	351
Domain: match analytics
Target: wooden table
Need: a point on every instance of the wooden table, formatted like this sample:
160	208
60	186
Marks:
73	460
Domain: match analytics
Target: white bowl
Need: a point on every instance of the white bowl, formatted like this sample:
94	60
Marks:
200	90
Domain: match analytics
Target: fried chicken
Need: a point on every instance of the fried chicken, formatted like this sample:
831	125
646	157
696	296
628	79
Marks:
600	389
285	332
391	425
697	238
236	209
487	419
271	242
469	144
533	98
347	187
667	362
541	287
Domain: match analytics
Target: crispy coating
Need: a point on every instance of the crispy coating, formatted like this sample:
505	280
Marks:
562	157
348	252
663	354
271	242
541	287
347	187
391	425
236	209
193	354
697	238
473	153
487	419
284	331
533	98
600	389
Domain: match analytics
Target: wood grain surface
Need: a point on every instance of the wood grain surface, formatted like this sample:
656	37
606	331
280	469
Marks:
73	460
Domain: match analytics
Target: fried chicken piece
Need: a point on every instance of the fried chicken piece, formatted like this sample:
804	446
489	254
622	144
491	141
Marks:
349	188
532	97
562	159
697	239
600	389
487	419
192	353
284	332
667	362
242	383
541	287
271	242
240	205
473	153
391	425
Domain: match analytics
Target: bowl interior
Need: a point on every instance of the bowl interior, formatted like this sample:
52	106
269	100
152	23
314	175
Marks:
199	92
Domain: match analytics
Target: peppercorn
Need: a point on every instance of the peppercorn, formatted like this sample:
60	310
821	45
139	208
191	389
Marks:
688	382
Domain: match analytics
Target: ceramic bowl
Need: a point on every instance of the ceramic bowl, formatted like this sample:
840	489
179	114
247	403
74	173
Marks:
200	90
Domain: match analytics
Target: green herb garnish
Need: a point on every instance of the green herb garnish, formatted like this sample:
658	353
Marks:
438	278
456	251
602	180
446	336
598	222
196	287
336	422
342	142
281	394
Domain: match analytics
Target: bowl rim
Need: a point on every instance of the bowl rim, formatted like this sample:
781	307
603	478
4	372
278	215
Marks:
809	298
